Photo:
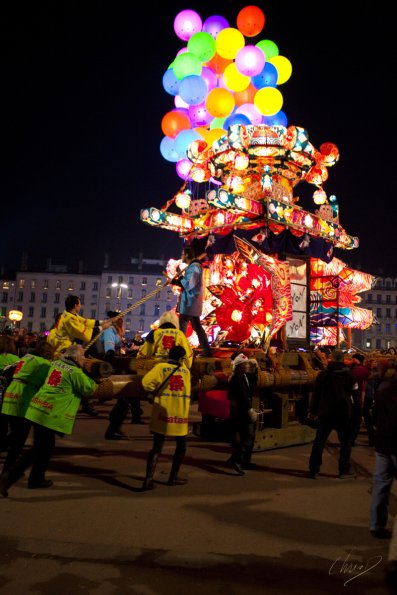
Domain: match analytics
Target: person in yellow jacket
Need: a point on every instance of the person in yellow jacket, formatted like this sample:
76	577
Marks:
73	328
159	341
170	381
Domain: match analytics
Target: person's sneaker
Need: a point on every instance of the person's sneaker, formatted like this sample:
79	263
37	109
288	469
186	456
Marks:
89	410
348	475
237	467
46	483
381	533
312	475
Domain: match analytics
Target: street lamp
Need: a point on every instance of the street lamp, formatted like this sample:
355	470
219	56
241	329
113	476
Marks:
15	316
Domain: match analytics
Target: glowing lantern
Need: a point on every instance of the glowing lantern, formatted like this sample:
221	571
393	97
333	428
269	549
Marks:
182	200
250	21
229	42
236	315
241	161
319	197
187	23
250	60
15	315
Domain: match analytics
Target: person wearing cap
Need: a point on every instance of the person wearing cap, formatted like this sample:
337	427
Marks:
334	399
243	417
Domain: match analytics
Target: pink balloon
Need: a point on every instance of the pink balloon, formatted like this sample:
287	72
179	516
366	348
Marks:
250	60
210	77
183	167
199	116
187	23
252	113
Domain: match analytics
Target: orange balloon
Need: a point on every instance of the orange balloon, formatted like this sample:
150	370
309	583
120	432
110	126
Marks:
246	96
174	122
218	64
250	21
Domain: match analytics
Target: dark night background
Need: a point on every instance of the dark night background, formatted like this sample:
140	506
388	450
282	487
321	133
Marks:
83	102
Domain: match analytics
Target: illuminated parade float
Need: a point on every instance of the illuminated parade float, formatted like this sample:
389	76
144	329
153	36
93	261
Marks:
271	271
273	285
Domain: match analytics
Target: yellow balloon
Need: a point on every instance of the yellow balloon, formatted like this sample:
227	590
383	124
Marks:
234	80
228	42
219	102
283	66
268	101
213	135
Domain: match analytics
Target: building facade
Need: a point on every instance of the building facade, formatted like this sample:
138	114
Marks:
382	300
40	296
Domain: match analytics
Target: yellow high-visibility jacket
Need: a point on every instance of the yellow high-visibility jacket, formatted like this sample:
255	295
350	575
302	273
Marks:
70	327
170	413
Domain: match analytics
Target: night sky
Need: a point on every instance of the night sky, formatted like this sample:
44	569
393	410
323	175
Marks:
83	102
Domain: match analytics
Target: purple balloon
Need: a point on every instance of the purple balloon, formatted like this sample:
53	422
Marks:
210	78
199	116
187	23
214	24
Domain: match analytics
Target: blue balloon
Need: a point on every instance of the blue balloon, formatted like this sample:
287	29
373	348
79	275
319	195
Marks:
170	82
236	119
183	140
279	119
193	89
167	149
267	78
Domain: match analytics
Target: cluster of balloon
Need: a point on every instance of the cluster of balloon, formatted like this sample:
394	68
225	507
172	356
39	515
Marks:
220	78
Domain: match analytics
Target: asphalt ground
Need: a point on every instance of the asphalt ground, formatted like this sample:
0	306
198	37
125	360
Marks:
273	530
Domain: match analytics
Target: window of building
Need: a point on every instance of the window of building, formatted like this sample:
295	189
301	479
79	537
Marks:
44	298
388	299
30	326
395	328
141	325
388	284
6	285
378	312
120	279
32	296
82	298
70	286
158	282
143	293
56	298
31	312
82	285
158	295
144	280
56	312
57	285
368	344
156	310
3	310
45	284
4	297
110	279
387	328
95	286
378	343
128	324
379	299
33	284
93	314
130	280
43	313
388	313
42	327
130	294
20	296
369	298
142	310
169	295
108	292
21	283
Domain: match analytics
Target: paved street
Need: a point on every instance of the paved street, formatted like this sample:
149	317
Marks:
271	531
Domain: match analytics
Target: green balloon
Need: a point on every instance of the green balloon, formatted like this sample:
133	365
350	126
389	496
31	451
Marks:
268	47
202	45
217	123
186	64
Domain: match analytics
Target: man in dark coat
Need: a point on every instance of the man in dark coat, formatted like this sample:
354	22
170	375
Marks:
385	420
334	400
